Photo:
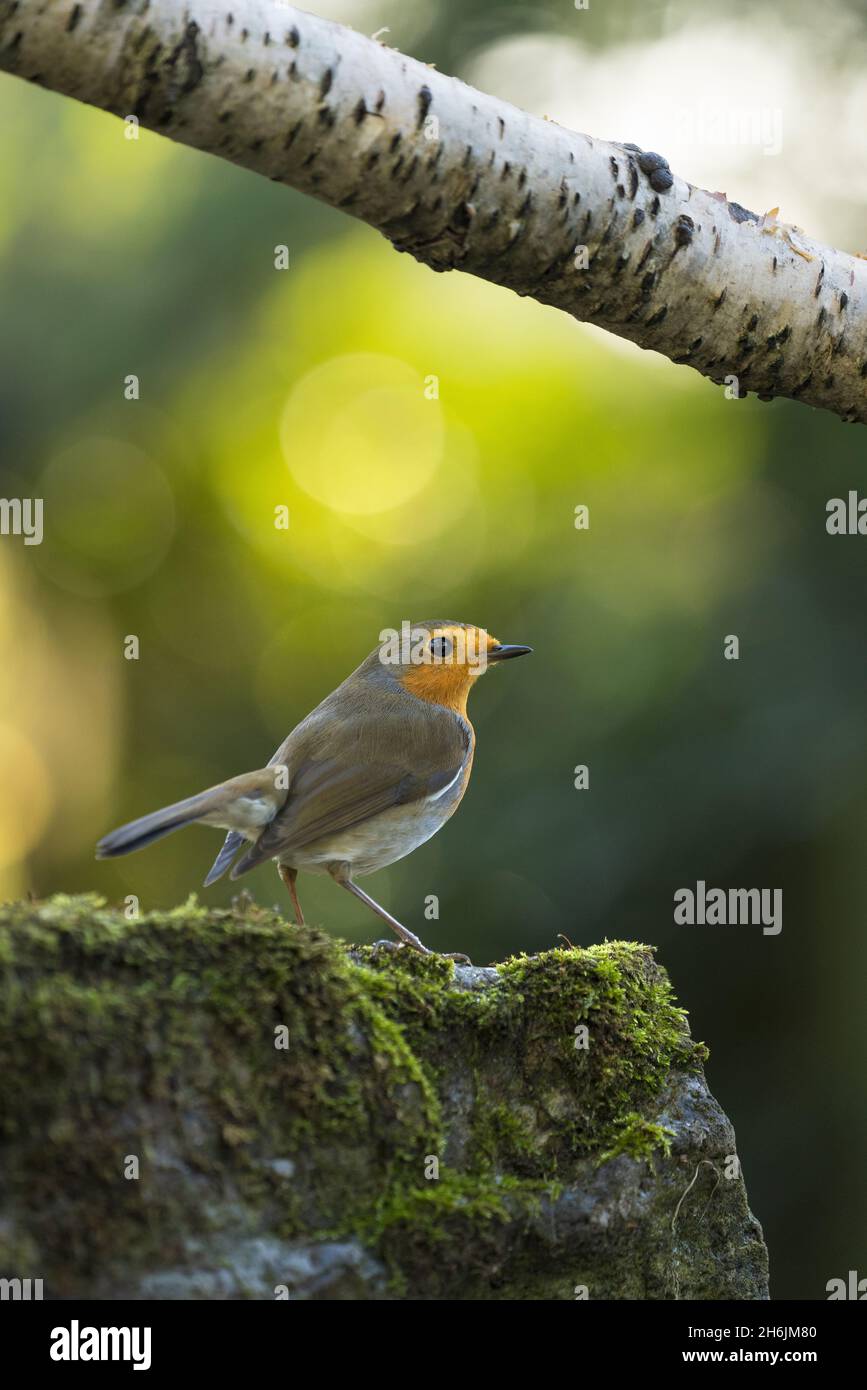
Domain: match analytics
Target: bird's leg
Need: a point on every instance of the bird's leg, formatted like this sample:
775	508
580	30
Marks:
340	874
289	876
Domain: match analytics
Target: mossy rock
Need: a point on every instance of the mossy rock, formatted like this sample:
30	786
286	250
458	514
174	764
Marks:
214	1104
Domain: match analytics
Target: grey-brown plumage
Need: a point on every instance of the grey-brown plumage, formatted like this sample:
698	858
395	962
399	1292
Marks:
374	771
368	748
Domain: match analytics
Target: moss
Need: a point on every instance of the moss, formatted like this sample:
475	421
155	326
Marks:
638	1138
156	1037
602	1019
451	1227
502	1134
181	1008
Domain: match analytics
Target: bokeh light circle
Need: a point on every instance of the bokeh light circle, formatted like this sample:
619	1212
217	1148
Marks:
360	435
109	517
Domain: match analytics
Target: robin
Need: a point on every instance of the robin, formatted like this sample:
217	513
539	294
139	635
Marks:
374	771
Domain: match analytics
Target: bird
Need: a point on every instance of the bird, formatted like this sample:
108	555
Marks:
374	771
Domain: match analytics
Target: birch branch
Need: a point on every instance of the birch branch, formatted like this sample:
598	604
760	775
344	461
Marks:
461	180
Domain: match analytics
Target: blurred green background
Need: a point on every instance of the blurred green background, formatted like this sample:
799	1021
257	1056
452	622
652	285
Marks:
305	388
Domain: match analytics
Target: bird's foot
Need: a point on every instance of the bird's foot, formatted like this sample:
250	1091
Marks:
407	942
387	945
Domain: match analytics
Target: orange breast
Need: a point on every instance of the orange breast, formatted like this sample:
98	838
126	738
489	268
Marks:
442	685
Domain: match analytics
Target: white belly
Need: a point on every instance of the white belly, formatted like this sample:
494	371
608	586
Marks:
384	839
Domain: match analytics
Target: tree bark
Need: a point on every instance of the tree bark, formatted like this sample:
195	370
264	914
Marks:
601	230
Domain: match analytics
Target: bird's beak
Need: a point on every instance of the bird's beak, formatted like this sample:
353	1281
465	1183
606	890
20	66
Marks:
503	653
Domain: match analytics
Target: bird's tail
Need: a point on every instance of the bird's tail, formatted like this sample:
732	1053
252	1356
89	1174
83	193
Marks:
243	804
144	831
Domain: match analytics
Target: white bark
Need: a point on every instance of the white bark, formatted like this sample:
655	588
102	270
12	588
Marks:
485	188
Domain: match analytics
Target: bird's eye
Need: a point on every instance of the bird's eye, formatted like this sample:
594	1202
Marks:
440	647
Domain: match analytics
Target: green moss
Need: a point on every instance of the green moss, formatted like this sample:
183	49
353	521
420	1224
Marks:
427	1210
638	1138
603	1020
451	1228
502	1135
114	1033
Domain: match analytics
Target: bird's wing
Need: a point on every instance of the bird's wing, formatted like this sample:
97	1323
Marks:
336	790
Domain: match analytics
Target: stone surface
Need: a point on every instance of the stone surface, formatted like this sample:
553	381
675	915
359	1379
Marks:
313	1122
